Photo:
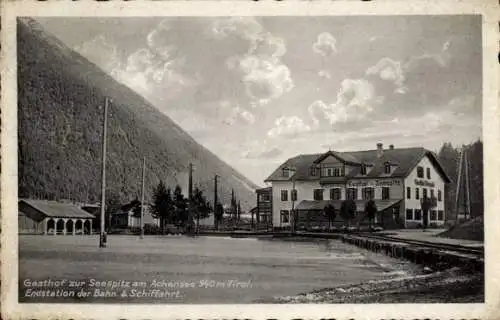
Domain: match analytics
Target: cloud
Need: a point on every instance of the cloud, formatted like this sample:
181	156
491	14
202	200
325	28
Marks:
265	76
101	52
265	79
389	70
261	150
288	126
355	100
325	74
325	44
234	114
442	57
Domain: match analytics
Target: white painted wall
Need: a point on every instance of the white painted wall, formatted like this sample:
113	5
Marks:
439	183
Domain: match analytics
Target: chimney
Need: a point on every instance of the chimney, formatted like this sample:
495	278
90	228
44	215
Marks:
391	147
380	149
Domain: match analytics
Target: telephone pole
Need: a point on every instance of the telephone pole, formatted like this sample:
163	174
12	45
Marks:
102	238
467	187
142	197
215	198
190	195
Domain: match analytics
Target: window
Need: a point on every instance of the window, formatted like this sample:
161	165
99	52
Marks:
420	172
440	215
440	196
318	194
331	172
368	193
418	214
387	168
385	193
294	195
433	215
409	214
285	172
432	193
284	195
284	216
363	169
408	193
417	193
352	194
335	194
314	171
424	193
428	173
264	197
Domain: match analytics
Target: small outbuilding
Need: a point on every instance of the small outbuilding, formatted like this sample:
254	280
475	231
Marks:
52	217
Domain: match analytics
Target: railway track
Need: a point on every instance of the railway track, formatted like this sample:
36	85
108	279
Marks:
477	251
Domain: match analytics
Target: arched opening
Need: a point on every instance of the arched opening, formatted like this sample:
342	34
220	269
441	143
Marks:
69	226
50	226
86	227
60	226
79	227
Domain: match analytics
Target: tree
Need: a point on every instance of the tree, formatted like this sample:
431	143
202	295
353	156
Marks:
371	211
112	206
162	205
449	158
234	209
238	209
426	204
180	208
218	214
200	206
330	213
348	211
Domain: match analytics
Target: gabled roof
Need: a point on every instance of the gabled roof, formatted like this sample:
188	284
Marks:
405	159
344	157
57	209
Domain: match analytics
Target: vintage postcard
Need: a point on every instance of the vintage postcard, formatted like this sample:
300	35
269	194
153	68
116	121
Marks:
250	160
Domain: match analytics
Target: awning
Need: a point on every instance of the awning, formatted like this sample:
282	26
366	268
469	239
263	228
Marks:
360	204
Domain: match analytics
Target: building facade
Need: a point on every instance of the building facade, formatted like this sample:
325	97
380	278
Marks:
129	216
395	178
264	209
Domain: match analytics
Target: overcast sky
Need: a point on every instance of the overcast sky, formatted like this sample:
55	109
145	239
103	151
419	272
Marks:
257	91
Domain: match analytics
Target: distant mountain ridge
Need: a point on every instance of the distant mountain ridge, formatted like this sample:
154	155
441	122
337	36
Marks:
60	114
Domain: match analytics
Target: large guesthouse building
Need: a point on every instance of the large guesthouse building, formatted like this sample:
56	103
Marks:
395	178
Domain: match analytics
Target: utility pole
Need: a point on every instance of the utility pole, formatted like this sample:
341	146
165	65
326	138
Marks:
459	180
190	193
102	237
215	198
142	197
467	187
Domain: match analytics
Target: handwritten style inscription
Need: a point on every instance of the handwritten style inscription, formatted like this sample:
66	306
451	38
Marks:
94	288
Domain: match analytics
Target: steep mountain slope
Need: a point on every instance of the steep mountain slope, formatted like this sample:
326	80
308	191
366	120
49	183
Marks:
60	115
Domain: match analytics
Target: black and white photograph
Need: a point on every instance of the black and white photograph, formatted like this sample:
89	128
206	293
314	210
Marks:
249	159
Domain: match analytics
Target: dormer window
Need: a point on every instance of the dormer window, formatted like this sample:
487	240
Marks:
387	168
285	172
363	169
288	172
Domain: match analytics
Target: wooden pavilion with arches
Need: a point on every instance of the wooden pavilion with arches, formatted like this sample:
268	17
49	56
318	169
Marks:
53	217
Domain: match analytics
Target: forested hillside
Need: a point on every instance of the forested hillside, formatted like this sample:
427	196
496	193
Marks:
60	116
449	157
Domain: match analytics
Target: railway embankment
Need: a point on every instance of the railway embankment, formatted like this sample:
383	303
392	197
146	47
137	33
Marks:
432	256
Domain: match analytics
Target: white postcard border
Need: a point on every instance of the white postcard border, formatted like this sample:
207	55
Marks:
491	136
